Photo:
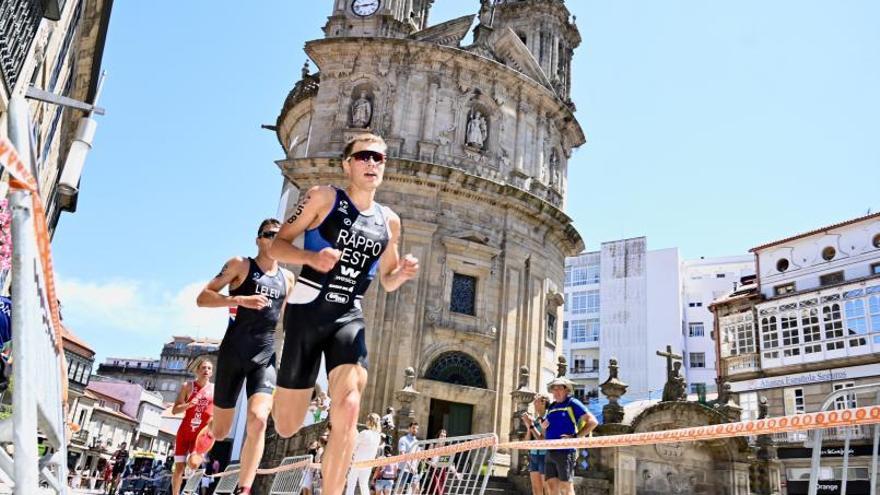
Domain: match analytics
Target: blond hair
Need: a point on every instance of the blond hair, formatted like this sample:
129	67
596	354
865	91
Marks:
373	421
362	138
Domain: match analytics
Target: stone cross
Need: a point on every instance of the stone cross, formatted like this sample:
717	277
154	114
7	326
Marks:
669	355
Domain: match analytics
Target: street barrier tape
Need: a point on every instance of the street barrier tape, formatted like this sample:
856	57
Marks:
783	424
859	416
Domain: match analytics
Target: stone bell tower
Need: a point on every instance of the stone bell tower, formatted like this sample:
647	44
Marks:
479	139
384	18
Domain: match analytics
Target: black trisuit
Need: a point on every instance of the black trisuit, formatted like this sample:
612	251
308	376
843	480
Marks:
323	313
247	350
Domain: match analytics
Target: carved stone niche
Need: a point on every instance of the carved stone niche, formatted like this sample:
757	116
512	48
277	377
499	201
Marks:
469	253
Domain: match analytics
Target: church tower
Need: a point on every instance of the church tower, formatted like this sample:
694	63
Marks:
384	18
479	138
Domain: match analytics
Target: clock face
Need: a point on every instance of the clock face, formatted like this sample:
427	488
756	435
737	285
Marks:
364	8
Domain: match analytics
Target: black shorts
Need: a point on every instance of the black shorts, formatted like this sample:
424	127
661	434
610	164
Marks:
233	370
559	464
306	337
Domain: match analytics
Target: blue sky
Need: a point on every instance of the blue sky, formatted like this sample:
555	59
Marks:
712	127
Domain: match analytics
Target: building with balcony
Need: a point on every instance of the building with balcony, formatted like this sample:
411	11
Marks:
702	281
807	325
143	405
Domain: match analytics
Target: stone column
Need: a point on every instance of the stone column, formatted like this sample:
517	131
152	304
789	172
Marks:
522	397
519	145
405	397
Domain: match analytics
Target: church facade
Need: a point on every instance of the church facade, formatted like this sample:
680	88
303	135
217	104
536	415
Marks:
479	141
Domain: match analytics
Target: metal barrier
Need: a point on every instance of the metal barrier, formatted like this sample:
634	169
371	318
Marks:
290	482
227	483
847	433
191	487
40	383
457	473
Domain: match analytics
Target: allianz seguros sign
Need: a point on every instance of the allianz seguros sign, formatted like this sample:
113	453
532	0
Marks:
805	378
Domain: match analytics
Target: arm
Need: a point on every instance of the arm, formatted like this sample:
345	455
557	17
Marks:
394	272
309	210
181	404
588	423
233	273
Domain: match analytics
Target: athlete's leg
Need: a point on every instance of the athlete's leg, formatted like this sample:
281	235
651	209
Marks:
221	422
259	406
300	360
289	410
347	382
177	478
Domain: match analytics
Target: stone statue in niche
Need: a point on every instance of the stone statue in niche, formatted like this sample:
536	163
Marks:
361	111
554	169
477	133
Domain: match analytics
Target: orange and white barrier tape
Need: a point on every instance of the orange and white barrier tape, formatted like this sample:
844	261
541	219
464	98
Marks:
859	416
784	424
23	180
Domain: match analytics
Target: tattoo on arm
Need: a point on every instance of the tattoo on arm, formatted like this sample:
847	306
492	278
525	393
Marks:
223	270
299	209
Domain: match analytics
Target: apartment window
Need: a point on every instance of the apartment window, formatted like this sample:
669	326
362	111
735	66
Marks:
551	328
847	401
855	317
875	269
464	294
781	290
748	401
697	359
874	310
876	241
788	324
593	301
769	333
810	325
585	330
695	304
582	275
795	403
720	275
578	303
831	278
832	321
696	329
564	330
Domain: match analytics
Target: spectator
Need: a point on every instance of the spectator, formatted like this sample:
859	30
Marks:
567	417
535	431
441	467
409	470
365	448
385	475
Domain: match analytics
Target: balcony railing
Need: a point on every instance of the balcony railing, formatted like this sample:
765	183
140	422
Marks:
584	372
742	364
803	438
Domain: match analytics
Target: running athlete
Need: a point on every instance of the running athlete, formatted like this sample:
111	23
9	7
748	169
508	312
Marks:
349	239
257	290
196	401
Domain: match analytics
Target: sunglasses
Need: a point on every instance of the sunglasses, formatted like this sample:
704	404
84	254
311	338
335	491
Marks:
366	155
269	234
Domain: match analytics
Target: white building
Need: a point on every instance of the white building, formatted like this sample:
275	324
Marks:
622	301
809	326
702	281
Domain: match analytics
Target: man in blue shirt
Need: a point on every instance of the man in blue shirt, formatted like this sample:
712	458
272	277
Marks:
566	417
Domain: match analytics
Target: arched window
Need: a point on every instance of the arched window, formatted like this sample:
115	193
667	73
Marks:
457	368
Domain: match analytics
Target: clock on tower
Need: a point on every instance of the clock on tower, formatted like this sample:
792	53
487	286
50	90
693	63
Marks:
364	8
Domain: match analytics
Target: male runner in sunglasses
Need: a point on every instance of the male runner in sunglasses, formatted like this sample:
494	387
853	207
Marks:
349	239
257	290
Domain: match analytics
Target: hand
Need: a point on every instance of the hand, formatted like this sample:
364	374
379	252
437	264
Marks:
253	302
325	259
408	267
564	436
527	420
545	424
